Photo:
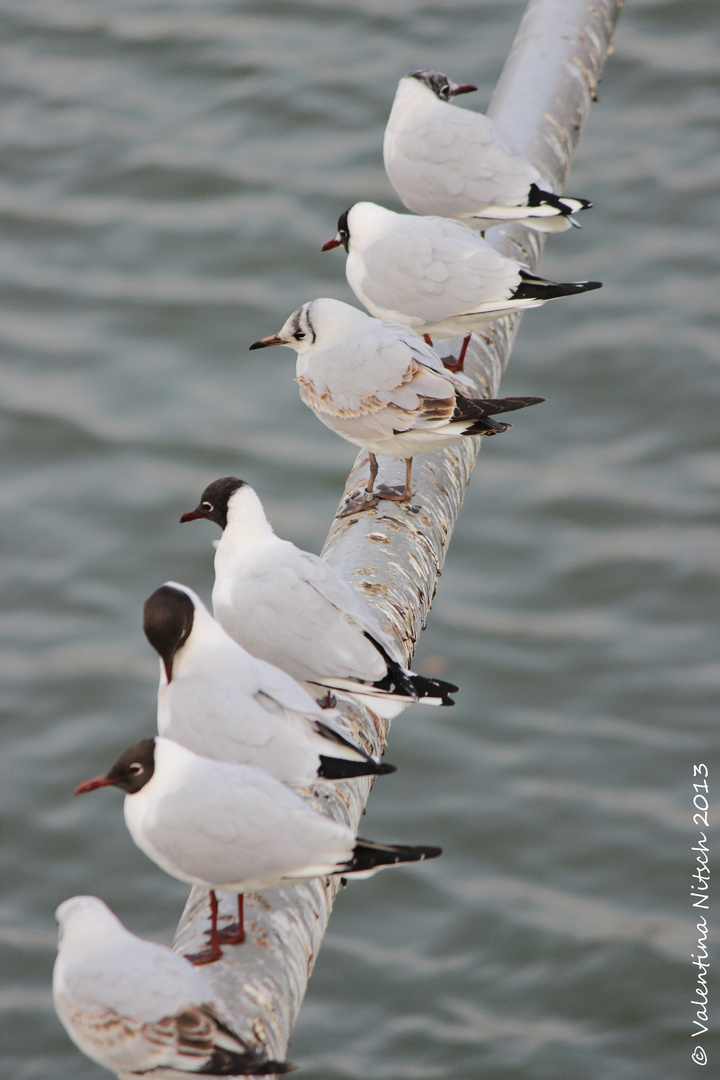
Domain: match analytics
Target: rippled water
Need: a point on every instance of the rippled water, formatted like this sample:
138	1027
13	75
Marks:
169	171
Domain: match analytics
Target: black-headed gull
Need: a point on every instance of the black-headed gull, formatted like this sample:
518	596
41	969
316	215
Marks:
221	702
233	827
435	275
383	388
137	1008
292	609
459	164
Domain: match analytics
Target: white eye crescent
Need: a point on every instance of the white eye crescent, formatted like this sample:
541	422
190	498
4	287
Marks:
136	769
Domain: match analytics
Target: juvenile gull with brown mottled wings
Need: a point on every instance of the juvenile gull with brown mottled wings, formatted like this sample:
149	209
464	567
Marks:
381	387
137	1008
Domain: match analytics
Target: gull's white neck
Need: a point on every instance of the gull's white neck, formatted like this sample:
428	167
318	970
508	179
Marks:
246	522
208	648
173	764
369	222
413	95
85	929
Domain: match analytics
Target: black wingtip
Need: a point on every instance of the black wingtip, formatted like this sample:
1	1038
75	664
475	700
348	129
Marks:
481	410
508	404
226	1063
446	699
427	688
428	852
408	683
340	769
368	855
536	288
564	204
272	1068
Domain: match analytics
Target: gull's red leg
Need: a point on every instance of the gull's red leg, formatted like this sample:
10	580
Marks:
214	952
457	365
234	935
366	501
394	494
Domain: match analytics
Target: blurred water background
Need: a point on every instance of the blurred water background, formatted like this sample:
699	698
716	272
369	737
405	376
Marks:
169	171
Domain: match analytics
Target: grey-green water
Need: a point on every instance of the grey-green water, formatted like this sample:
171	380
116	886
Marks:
168	173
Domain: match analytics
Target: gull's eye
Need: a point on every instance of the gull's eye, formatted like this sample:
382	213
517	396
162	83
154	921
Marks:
207	506
299	335
136	769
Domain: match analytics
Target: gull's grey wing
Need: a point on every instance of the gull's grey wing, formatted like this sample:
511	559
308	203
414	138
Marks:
372	371
448	161
429	269
281	689
134	978
231	824
294	610
184	1041
210	717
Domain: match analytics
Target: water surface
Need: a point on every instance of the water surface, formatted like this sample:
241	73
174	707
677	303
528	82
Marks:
169	172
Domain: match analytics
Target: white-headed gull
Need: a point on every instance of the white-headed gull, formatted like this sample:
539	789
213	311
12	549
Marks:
233	827
292	609
381	387
435	275
221	702
137	1008
459	164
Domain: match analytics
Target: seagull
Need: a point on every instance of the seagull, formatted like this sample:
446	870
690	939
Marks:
137	1008
458	164
435	275
221	702
381	387
292	609
233	827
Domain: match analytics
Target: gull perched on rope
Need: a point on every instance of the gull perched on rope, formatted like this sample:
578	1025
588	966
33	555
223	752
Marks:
219	701
459	164
137	1008
233	828
436	275
291	608
381	387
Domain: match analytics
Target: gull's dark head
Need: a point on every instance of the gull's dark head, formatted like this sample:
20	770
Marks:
167	621
214	501
440	85
298	332
131	771
342	237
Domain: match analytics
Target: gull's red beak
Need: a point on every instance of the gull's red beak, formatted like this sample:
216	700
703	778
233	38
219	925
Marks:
94	784
462	88
331	244
264	342
191	515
